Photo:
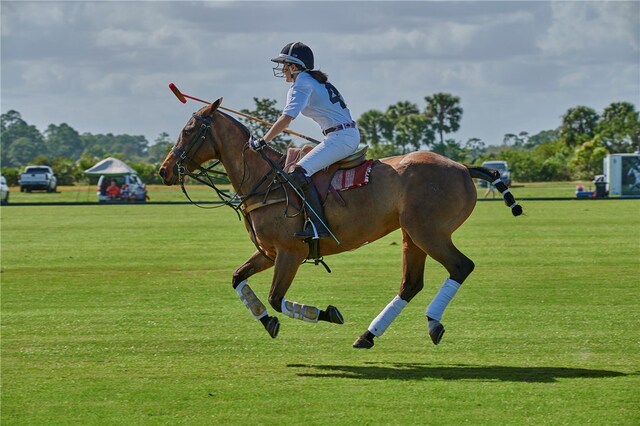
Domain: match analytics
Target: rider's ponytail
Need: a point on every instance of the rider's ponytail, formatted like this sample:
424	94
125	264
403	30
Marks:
319	76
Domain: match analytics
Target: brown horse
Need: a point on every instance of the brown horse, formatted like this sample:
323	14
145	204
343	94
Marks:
426	195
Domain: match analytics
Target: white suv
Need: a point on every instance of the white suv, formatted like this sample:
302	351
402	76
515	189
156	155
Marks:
135	189
4	191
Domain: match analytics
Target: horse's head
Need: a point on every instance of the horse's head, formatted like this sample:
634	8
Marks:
194	145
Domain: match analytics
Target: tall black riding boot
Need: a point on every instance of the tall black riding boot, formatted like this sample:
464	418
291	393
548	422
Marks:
306	186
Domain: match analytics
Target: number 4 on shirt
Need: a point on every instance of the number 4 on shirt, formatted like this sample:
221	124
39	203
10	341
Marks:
334	95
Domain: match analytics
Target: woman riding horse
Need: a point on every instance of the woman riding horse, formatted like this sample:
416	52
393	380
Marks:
312	95
426	195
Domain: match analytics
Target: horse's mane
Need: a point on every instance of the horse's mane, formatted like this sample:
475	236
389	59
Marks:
244	129
236	123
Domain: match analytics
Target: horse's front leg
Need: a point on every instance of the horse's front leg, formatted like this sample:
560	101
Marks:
256	263
286	267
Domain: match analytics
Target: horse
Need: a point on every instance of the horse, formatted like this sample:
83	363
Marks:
426	195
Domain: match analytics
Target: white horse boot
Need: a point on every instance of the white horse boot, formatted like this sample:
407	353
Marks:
436	308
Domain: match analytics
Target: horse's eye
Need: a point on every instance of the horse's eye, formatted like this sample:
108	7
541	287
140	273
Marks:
185	132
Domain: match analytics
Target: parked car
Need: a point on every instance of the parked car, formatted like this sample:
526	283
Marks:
134	190
38	177
4	191
502	167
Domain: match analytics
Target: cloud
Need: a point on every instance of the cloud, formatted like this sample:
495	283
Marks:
594	29
107	64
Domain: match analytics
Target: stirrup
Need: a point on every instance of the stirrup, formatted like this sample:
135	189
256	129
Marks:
310	231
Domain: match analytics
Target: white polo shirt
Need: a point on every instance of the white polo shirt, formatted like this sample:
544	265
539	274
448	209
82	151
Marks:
320	102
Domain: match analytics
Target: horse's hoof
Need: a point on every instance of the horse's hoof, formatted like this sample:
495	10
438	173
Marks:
334	315
363	342
436	330
273	327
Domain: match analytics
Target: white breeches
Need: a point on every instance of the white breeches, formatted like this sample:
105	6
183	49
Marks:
334	147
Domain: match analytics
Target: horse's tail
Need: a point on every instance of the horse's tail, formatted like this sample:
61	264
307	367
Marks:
493	176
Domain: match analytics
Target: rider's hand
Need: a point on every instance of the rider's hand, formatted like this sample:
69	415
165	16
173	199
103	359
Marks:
257	144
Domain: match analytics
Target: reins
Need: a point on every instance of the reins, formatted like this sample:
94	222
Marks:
236	201
204	174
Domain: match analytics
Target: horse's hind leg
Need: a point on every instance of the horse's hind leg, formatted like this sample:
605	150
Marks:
413	260
459	267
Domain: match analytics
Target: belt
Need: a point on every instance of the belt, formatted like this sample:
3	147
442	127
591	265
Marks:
339	127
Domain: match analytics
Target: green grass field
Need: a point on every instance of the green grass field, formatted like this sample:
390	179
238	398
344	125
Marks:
125	315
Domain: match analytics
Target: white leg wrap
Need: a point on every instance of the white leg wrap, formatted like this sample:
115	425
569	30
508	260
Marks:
385	318
436	308
300	311
250	300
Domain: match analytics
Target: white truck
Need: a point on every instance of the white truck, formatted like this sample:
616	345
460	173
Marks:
38	177
621	175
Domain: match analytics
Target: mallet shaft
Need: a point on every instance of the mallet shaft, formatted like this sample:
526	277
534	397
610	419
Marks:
178	94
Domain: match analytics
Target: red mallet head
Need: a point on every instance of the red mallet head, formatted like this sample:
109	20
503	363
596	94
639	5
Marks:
176	92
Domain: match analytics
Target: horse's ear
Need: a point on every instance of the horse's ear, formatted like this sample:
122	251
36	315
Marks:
215	104
212	107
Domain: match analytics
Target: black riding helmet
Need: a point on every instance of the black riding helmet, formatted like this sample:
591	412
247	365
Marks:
295	53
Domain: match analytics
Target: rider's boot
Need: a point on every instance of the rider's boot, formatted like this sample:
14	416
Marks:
306	186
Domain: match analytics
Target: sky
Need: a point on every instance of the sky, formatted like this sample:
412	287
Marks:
104	67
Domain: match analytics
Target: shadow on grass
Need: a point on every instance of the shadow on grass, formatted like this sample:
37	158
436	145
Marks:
409	371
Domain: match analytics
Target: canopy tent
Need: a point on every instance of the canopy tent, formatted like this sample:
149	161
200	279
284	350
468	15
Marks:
110	167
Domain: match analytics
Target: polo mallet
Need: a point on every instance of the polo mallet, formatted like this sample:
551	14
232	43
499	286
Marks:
183	98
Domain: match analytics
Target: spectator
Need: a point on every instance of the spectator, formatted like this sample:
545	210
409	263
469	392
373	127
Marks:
139	194
490	190
113	190
125	194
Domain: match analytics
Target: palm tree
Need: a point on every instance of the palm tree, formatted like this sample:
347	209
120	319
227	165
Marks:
444	112
371	126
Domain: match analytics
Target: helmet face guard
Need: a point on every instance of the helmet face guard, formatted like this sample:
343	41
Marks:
278	70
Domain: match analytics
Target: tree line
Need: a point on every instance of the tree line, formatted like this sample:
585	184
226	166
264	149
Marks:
69	153
573	150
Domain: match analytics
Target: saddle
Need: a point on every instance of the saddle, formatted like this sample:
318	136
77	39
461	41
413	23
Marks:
322	179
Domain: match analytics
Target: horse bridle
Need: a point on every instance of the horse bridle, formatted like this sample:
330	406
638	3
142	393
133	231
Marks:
204	172
183	154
